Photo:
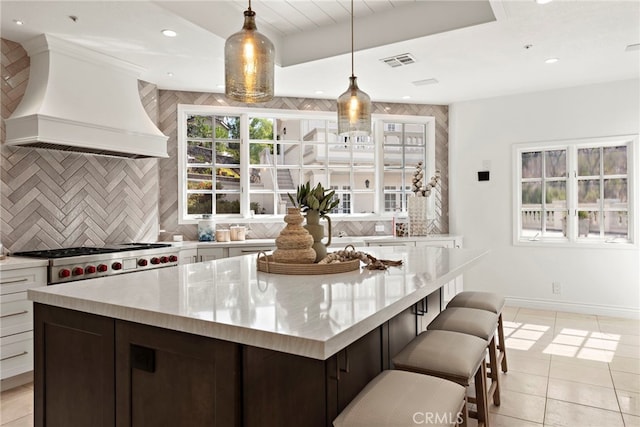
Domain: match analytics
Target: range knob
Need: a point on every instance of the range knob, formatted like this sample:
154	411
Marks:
116	266
102	268
155	260
173	258
78	271
142	262
164	259
90	269
65	272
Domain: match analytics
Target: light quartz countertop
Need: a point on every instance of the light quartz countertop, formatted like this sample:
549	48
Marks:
312	315
17	262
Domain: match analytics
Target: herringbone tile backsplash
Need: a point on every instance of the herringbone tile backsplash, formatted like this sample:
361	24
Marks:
53	199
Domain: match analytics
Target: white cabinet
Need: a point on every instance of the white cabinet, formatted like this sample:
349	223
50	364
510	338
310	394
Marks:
392	243
209	254
188	256
16	317
245	250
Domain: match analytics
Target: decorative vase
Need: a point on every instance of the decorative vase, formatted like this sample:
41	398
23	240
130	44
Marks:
294	243
417	206
206	229
317	231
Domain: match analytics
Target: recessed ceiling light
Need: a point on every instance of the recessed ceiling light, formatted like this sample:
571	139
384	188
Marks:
220	86
543	1
406	97
425	82
632	47
551	60
170	74
319	92
18	22
169	33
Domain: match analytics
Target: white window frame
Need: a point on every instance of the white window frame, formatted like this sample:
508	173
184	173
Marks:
572	146
184	110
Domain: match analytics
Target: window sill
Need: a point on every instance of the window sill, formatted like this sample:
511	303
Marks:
575	245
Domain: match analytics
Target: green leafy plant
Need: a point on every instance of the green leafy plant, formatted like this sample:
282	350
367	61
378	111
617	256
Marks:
316	199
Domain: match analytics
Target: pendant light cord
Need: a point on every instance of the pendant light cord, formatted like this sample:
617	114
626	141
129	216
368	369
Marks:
249	4
352	68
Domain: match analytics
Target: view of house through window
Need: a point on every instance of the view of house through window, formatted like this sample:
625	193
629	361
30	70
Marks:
284	151
576	192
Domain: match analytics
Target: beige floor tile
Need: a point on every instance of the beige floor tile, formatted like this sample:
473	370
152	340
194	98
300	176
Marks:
628	339
629	402
522	406
16	405
583	394
566	414
580	373
527	365
509	313
524	383
626	381
589	326
575	316
535	312
588	360
625	364
620	326
26	421
628	351
631	420
497	420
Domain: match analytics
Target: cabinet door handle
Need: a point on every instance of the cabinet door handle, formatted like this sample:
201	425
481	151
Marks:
346	361
22	279
4	316
14	356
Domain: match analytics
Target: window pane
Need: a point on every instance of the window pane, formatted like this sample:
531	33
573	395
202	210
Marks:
588	191
556	223
414	134
556	195
588	224
261	154
392	156
340	178
531	223
615	160
363	202
314	154
262	204
532	193
227	203
555	163
199	152
616	224
228	153
615	191
413	155
364	179
198	204
363	153
199	127
532	164
228	176
199	184
288	154
393	178
588	161
260	129
227	127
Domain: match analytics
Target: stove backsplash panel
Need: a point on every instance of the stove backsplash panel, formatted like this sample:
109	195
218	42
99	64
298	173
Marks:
52	199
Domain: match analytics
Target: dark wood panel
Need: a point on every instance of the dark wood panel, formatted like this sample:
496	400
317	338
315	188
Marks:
402	329
282	390
74	374
171	378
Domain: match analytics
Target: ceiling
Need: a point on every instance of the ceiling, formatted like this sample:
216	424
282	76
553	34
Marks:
474	49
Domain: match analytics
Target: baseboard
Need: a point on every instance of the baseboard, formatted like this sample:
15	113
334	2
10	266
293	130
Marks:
16	381
595	309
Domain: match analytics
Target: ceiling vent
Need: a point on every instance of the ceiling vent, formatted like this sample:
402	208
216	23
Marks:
399	60
425	82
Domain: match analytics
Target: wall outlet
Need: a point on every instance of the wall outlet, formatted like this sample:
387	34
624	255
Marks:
379	228
556	288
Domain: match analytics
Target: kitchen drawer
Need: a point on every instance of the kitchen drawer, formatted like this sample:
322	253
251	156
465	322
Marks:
209	254
188	256
249	250
437	243
16	354
394	243
12	281
16	314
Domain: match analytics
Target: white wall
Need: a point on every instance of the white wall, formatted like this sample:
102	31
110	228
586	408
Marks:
597	281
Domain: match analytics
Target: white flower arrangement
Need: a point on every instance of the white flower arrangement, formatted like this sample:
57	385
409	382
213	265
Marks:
417	187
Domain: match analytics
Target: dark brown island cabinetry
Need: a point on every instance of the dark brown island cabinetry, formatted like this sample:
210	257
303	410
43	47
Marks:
99	371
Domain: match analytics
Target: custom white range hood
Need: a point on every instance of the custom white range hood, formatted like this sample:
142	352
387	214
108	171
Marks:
84	101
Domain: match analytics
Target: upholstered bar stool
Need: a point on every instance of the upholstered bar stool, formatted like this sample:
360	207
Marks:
453	356
490	302
398	398
479	323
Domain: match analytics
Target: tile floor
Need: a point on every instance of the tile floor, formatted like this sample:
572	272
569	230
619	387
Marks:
565	369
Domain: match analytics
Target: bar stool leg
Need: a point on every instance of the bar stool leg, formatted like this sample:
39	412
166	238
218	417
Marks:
493	374
501	345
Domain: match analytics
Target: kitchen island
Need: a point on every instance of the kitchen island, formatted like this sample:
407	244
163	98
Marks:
219	343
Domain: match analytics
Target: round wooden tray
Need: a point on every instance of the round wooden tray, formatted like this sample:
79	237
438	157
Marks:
266	264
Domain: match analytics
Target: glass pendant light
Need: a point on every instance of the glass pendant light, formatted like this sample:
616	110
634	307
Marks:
249	59
354	106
